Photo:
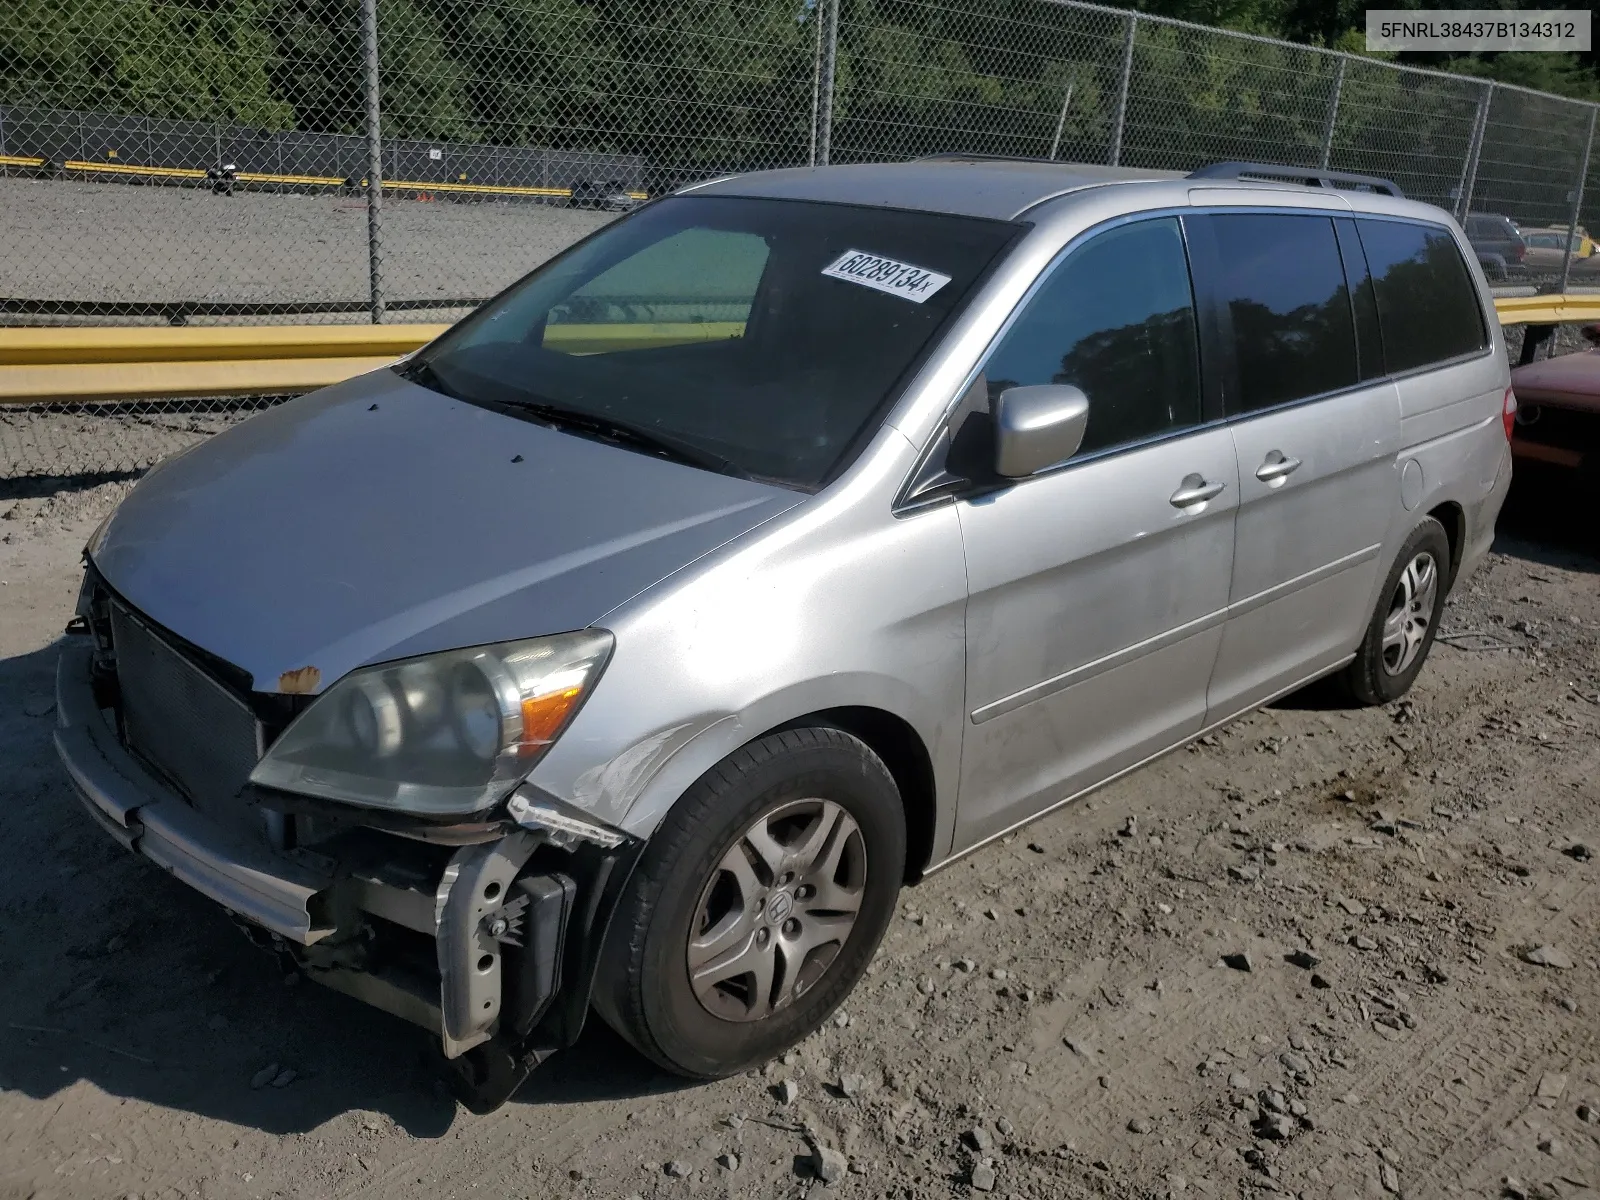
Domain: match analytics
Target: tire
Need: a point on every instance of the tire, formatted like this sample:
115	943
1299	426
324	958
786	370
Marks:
773	801
1406	619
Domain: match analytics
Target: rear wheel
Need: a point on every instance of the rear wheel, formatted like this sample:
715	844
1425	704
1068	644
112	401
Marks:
1403	627
757	904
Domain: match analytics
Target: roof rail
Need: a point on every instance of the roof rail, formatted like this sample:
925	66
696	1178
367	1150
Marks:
1308	176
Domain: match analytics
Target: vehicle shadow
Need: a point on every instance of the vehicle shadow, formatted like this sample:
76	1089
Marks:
1544	522
1549	519
1324	695
118	975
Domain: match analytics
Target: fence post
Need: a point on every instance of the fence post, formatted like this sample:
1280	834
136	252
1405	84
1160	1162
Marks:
369	46
830	56
1119	119
1577	200
816	75
1469	169
1333	114
1061	121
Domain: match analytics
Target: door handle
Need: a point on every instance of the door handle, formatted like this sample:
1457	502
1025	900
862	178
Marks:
1195	490
1278	466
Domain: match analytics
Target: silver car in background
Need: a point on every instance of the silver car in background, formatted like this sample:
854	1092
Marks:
634	643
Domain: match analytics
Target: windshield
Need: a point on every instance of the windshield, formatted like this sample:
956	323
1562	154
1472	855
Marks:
761	337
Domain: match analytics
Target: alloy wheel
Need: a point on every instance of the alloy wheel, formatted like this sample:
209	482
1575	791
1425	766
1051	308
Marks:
1411	612
777	910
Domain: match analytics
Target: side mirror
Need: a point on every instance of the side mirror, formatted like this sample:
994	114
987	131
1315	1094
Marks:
1037	427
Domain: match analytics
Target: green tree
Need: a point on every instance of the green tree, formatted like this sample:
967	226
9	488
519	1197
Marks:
915	78
702	85
318	69
1562	74
526	67
1196	99
165	58
423	85
317	63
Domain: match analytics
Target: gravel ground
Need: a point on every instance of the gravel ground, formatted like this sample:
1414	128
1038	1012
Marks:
104	241
1299	957
41	447
72	240
1568	339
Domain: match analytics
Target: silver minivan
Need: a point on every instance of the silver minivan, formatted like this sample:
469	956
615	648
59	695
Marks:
631	645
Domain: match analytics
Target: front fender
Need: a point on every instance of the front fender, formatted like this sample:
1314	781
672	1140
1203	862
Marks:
838	606
647	780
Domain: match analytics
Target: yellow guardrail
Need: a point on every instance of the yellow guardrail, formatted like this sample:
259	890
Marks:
129	363
88	167
1548	310
597	339
43	366
131	344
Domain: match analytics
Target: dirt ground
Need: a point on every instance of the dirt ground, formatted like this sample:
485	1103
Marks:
1291	958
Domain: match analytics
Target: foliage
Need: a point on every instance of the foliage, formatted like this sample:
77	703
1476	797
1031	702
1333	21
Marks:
145	56
701	85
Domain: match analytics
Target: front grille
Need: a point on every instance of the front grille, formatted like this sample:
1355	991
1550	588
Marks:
183	722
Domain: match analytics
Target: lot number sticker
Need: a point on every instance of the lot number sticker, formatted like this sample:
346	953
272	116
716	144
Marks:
881	274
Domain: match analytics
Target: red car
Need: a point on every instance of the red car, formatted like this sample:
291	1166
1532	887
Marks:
1558	411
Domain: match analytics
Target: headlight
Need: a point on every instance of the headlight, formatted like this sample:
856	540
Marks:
441	735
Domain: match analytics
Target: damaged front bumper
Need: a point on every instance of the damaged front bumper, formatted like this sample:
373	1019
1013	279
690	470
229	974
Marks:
492	946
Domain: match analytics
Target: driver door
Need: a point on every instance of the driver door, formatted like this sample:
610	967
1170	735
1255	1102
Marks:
1097	590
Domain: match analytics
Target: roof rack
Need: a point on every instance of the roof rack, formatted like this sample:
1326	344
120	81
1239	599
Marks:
1308	176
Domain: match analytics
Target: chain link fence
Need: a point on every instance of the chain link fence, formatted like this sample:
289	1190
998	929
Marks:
306	161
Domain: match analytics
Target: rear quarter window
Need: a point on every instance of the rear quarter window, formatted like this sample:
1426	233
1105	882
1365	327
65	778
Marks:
1428	308
1283	284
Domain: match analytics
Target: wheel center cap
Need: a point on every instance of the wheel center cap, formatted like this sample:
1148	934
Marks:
779	907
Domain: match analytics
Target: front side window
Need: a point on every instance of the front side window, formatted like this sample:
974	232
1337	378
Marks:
1282	282
1116	320
1427	305
759	337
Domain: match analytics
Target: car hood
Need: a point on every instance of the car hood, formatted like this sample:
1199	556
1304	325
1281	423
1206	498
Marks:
376	520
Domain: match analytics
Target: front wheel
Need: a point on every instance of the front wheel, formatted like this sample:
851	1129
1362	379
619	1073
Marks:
1406	621
757	904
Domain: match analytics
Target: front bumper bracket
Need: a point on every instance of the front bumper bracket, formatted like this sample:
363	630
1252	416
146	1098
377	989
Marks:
518	923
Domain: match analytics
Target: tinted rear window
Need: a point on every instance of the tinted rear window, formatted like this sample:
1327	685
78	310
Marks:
1427	306
1492	227
1283	283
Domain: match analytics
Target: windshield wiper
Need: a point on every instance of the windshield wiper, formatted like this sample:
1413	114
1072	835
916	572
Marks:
422	373
611	430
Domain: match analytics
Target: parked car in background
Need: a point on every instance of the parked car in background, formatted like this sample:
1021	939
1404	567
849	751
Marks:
610	196
1547	250
1558	414
1498	243
640	663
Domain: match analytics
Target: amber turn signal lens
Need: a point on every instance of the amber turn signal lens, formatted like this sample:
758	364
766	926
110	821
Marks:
543	716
